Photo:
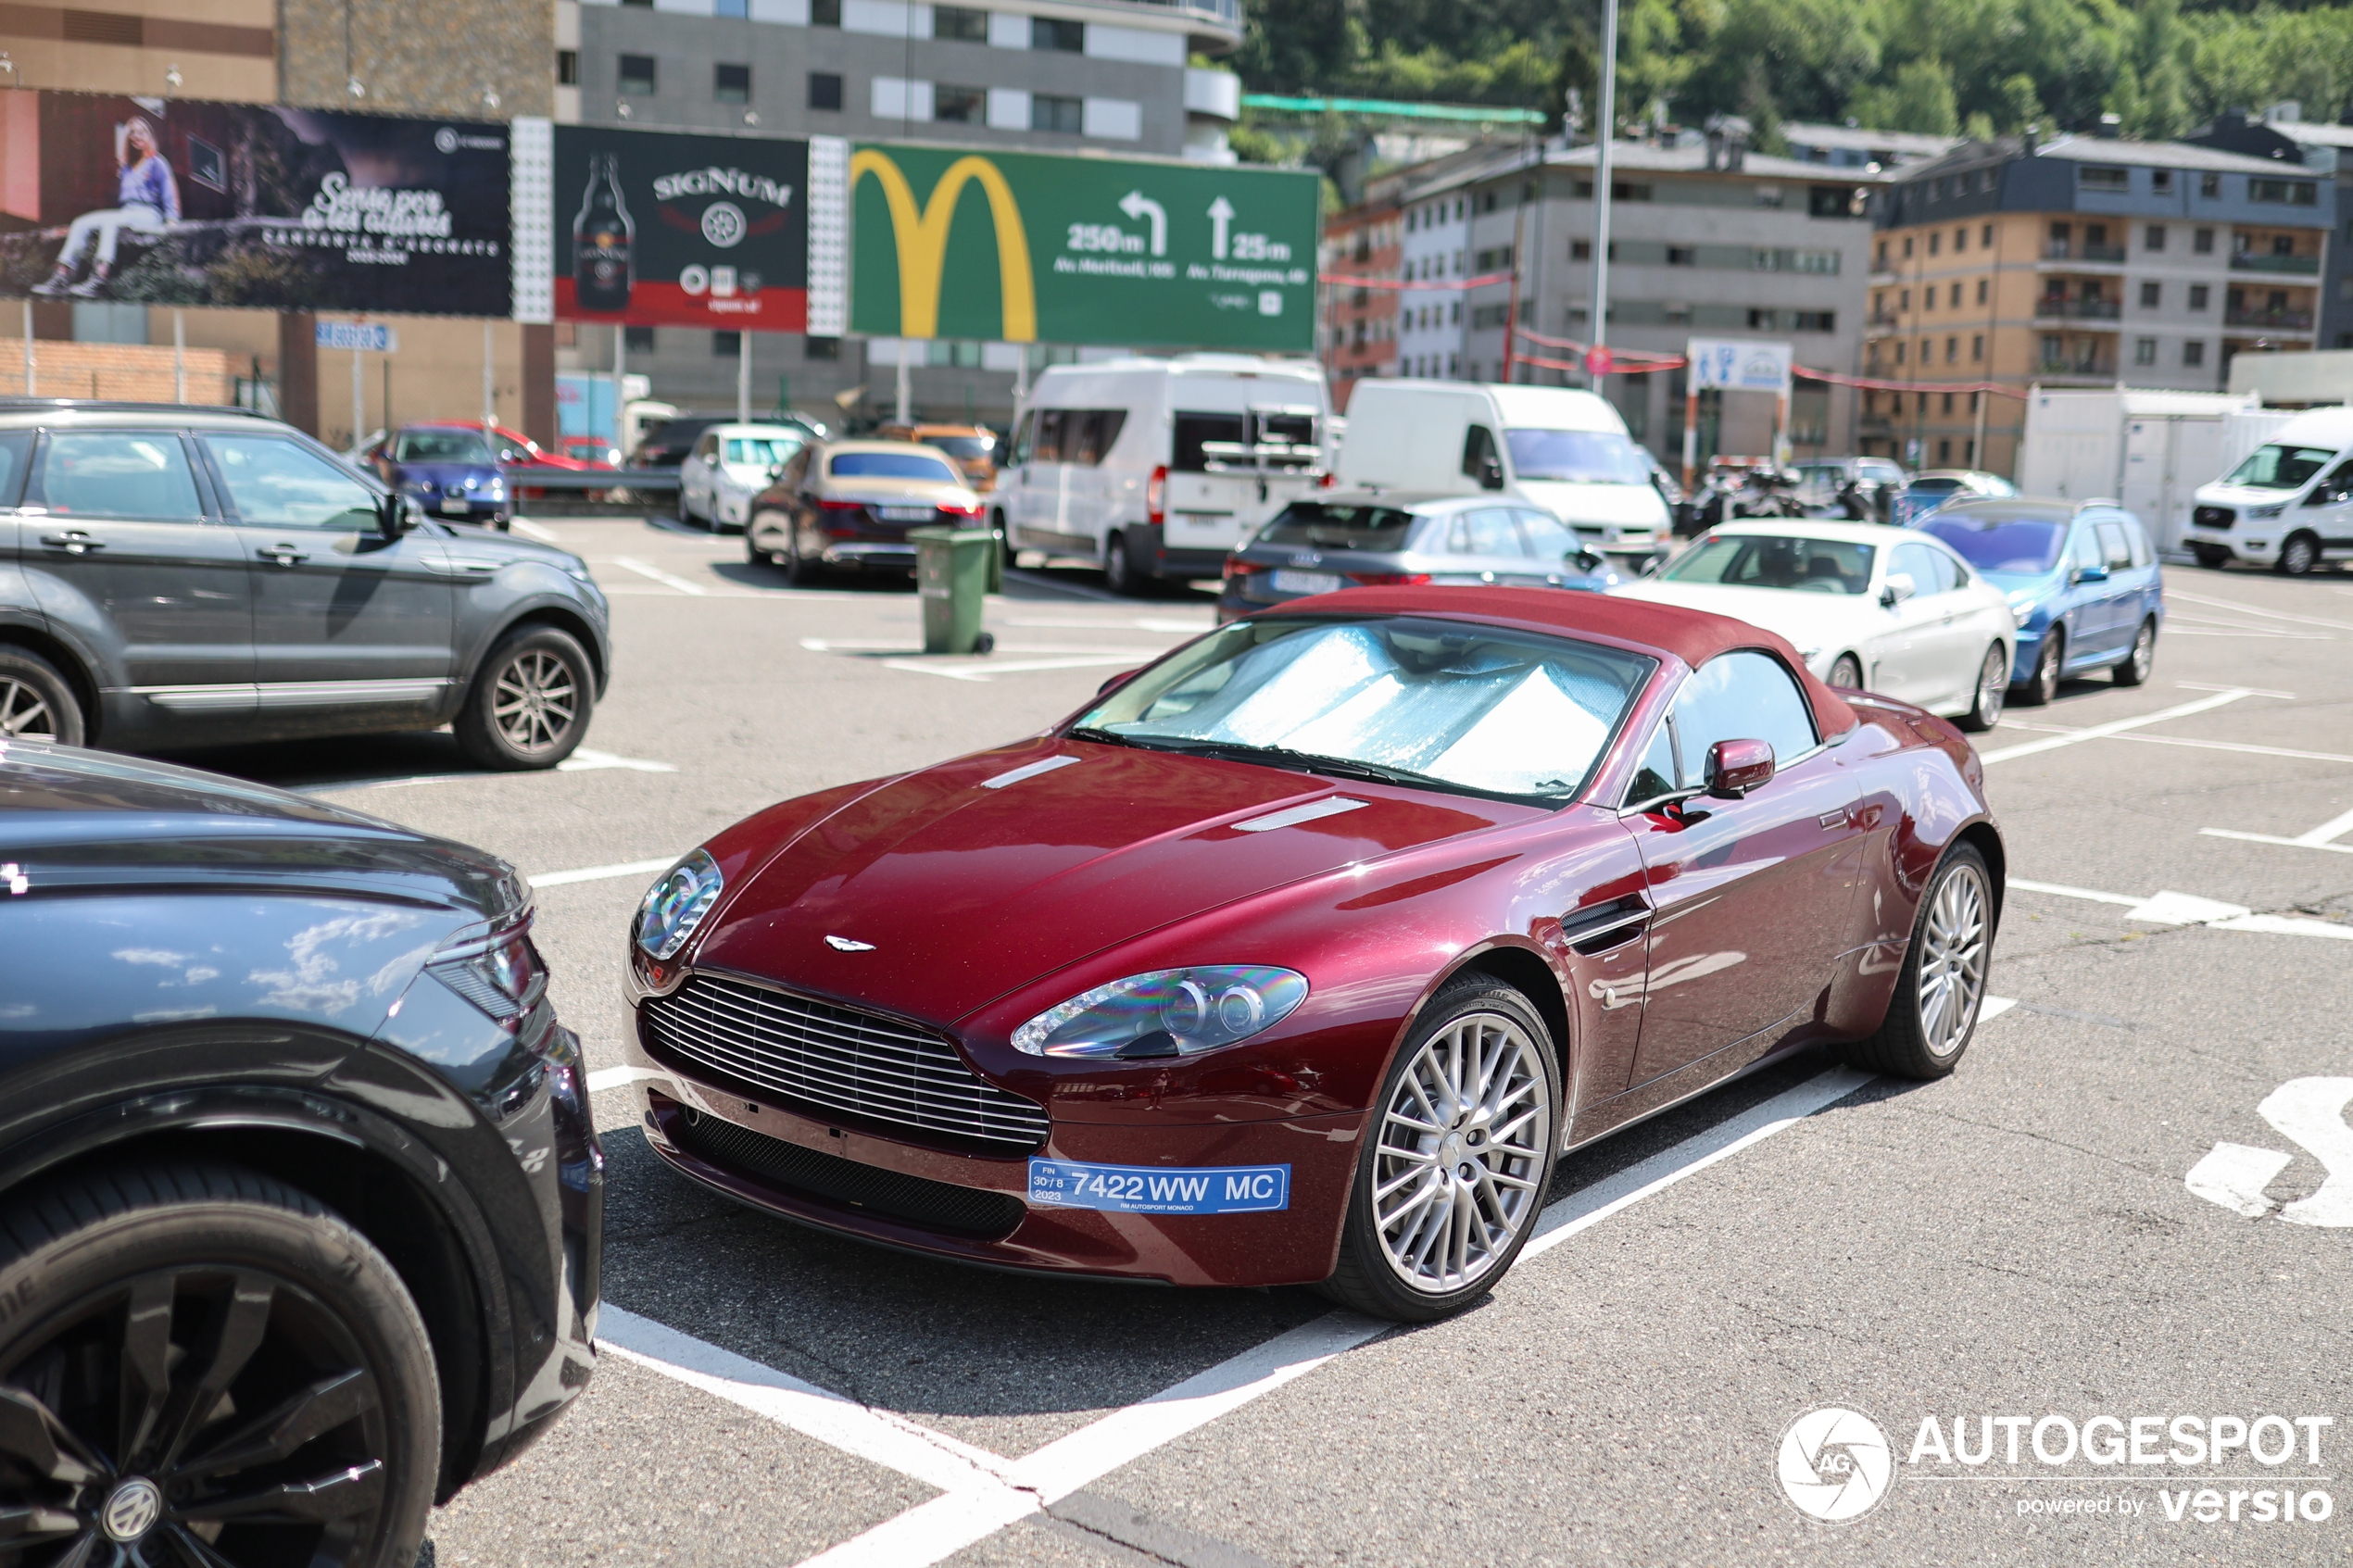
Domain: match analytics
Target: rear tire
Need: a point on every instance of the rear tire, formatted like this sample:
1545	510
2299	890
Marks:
1422	1242
36	702
1120	574
1992	687
2042	686
2299	552
531	702
753	551
799	570
202	1299
2137	663
1847	671
1933	1014
686	513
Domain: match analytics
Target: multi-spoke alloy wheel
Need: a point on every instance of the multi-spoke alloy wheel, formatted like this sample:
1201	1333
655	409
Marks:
1457	1160
1993	687
35	701
225	1376
25	713
1942	983
530	706
2142	658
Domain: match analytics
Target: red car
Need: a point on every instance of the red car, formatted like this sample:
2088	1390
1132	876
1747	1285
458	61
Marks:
1298	955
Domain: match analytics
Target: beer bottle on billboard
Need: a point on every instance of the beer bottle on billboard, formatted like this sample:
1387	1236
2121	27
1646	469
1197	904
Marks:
601	242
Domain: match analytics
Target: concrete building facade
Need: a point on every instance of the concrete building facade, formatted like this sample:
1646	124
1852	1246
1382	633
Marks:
2284	135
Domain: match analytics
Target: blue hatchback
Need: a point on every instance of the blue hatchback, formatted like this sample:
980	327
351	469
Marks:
2082	582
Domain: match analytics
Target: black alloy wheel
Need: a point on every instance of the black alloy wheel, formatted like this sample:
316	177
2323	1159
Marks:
2042	686
2137	664
1846	672
531	701
2299	552
36	703
223	1373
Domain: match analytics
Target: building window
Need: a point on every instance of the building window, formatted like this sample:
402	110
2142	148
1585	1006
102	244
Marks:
1980	291
567	68
1908	247
637	340
2161	181
2152	295
1899	352
820	348
1681	255
1945	454
2294	192
2200	295
1956	297
726	345
2093	176
1830	201
960	106
1960	241
2202	241
731	84
1764	320
959	22
1580	250
1903	299
2153	237
740	9
1985	237
637	76
2194	352
2145	351
1067	115
1879	261
1936	241
824	90
1815	321
1976	351
2209	186
1051	32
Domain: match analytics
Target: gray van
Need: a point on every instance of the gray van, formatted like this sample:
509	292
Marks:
175	577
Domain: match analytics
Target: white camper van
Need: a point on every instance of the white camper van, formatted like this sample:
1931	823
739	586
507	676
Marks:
1565	450
2288	505
1157	468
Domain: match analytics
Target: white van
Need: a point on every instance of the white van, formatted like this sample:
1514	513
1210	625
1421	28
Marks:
1157	468
1565	450
2289	506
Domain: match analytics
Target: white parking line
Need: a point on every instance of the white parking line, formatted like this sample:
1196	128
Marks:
2117	726
2172	594
619	1077
584	760
531	530
2322	838
989	668
2182	740
598	874
667	579
2169	908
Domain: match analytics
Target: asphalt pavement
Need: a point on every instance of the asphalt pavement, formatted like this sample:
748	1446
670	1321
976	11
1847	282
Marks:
2133	1201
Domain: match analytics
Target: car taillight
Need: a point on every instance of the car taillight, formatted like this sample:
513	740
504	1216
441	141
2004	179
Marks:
1329	482
1237	567
1389	578
841	505
972	511
1157	496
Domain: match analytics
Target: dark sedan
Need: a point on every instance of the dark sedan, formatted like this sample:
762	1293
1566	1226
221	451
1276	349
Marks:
300	1202
1297	956
450	472
187	577
1361	539
852	504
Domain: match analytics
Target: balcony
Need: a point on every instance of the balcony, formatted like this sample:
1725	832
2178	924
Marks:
2102	256
1884	320
1215	93
2078	367
2282	321
2248	261
2052	308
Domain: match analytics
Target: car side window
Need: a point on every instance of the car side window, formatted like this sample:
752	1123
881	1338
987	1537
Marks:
14	449
272	480
2138	536
1047	444
1549	539
707	446
2336	487
1485	531
2083	549
2117	554
1930	571
1020	450
139	474
1479	450
1741	696
1655	776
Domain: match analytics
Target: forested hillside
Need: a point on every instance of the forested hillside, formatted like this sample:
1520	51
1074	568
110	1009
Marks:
1967	65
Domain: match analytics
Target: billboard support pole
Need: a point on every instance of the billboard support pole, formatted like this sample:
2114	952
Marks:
179	357
902	415
28	348
359	398
743	378
620	380
489	399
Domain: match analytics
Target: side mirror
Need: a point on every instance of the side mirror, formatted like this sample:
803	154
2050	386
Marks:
395	515
1490	473
2091	574
1735	767
1898	588
1585	561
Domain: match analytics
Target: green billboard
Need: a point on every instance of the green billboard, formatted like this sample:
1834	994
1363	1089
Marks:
1028	247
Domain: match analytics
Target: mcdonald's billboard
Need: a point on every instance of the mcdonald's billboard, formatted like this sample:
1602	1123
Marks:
1023	248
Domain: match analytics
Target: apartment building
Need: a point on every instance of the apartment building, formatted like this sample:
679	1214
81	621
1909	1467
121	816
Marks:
1359	329
2086	260
1434	248
1110	76
2326	151
1850	147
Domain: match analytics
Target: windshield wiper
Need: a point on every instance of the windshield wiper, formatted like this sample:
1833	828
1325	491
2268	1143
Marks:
1282	755
1089	732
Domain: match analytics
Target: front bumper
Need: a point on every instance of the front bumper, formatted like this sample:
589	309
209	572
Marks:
886	1189
2259	542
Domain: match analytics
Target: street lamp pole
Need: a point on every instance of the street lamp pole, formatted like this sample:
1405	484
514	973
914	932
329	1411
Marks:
1604	127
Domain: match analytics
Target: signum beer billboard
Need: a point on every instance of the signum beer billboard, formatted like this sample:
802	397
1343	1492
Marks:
1024	248
656	228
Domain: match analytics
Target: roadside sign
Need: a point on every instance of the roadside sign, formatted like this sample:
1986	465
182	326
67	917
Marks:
1733	364
1598	362
367	337
1025	248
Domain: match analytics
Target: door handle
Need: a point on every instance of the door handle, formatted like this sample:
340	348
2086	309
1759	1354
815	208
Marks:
283	555
73	542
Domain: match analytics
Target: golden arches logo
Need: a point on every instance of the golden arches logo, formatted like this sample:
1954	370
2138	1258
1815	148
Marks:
921	238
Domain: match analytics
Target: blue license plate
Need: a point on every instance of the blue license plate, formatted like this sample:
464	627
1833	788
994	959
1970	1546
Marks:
1160	1189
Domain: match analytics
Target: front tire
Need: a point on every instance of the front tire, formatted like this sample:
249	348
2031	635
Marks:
1847	671
2137	664
2042	686
36	702
2299	554
1992	685
2214	558
1933	1012
1456	1164
230	1373
531	701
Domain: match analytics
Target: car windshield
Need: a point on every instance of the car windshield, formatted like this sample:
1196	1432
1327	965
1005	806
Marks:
2281	468
1590	457
1738	561
1399	699
441	446
1936	487
891	465
975	449
2000	544
1339	527
766	451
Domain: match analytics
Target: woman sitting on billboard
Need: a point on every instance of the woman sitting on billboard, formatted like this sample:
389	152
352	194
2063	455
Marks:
146	199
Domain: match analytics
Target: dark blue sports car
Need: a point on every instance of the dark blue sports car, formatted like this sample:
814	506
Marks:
449	469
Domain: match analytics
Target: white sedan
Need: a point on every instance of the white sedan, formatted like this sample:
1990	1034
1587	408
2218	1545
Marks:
730	465
1885	609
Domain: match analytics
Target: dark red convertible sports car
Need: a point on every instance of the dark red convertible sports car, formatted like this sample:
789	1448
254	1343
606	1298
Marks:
1299	954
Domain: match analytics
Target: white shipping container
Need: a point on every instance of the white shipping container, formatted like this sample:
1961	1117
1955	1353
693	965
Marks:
2148	450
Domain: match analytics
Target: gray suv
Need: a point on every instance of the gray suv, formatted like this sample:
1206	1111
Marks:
175	576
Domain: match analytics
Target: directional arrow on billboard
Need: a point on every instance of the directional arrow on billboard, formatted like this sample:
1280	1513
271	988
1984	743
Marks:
1136	205
1220	212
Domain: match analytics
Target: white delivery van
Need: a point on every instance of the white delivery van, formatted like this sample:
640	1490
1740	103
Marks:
1157	468
2288	505
1565	450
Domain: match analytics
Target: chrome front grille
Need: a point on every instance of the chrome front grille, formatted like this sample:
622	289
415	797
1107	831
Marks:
2213	517
839	1061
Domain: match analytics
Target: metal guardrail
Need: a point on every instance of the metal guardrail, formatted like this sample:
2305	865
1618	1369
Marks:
592	479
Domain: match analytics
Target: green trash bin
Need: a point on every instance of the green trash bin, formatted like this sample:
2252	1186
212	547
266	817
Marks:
951	577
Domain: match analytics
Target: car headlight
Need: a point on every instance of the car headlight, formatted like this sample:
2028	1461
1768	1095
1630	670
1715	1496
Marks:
2022	606
2267	511
495	489
502	974
675	905
1167	1013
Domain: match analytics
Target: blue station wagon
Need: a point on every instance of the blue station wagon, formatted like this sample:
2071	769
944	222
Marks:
2081	578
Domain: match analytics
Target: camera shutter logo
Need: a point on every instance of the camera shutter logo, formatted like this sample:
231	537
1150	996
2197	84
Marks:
1835	1465
722	225
445	141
